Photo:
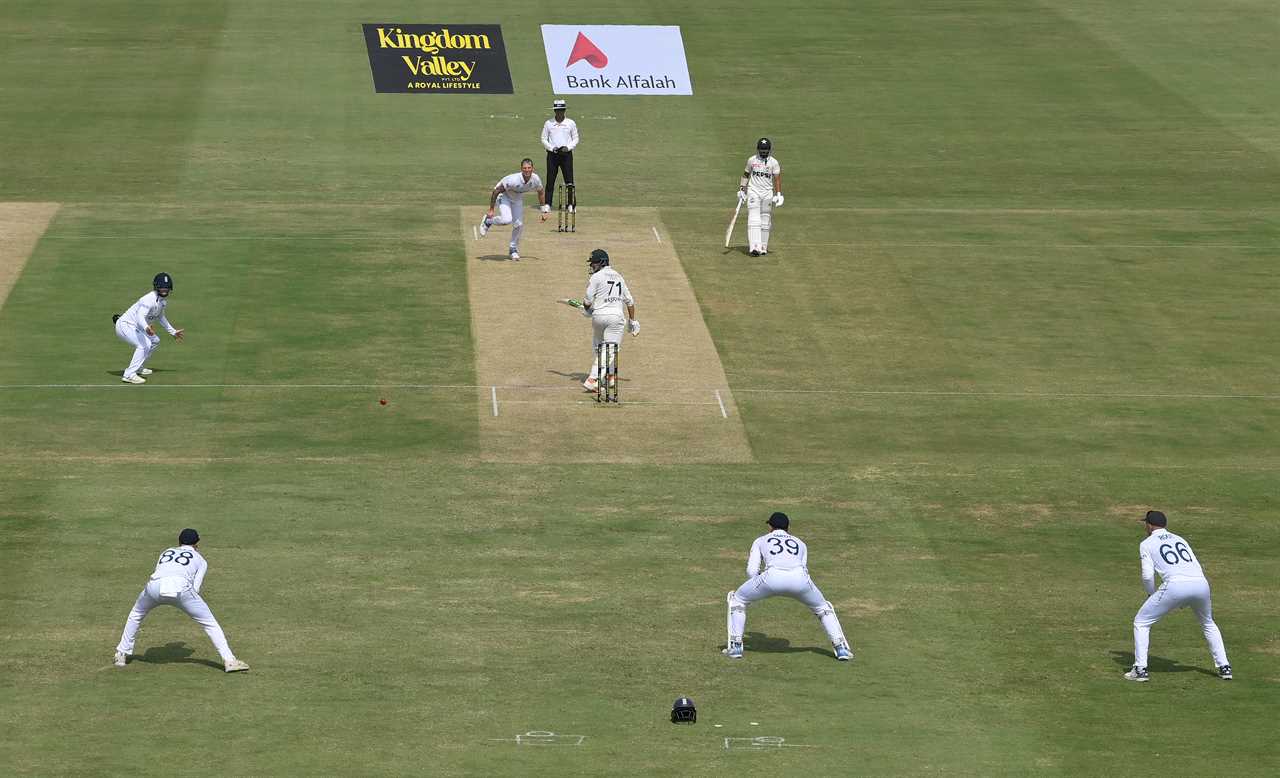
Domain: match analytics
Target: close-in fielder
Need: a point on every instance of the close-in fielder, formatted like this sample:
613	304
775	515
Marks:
136	327
507	201
1182	585
560	138
612	309
786	574
176	581
761	190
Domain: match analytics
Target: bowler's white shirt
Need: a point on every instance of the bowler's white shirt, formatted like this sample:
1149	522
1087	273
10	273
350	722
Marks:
556	134
1167	554
149	309
181	562
779	549
760	174
515	185
607	293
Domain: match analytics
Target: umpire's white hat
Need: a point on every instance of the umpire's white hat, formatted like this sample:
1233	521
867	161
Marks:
558	105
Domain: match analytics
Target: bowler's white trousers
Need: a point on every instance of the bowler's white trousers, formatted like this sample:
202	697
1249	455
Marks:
510	210
1190	593
143	344
178	593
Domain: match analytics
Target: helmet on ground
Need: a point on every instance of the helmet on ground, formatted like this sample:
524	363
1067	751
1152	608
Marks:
763	147
162	281
598	259
683	712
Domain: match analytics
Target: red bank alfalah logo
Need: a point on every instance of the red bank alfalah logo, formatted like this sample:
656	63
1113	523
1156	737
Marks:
583	48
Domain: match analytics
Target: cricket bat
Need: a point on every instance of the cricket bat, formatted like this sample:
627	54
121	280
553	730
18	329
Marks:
728	234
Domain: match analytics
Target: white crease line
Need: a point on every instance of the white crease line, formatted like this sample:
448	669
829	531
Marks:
723	412
655	234
151	386
493	393
475	232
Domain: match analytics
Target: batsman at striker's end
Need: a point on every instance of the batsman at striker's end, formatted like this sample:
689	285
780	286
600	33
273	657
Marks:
612	309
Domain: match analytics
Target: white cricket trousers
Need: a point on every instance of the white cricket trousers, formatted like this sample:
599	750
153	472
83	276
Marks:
143	345
1190	593
510	210
605	328
188	601
793	582
759	221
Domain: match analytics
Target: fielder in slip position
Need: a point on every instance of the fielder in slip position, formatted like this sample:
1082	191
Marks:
506	203
786	574
136	327
761	190
612	309
176	581
1182	585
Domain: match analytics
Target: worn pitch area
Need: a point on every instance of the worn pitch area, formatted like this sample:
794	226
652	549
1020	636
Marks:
21	225
533	353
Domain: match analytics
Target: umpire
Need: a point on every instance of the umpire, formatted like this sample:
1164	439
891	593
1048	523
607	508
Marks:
559	136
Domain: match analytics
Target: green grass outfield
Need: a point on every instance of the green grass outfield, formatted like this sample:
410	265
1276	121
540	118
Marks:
1023	288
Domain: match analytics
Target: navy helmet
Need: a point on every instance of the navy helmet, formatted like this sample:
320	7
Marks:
683	712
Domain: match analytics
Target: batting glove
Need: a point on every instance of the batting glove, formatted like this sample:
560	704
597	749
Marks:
635	327
742	196
777	200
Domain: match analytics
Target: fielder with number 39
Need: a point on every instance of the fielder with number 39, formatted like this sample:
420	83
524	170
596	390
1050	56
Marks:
785	558
761	190
1182	585
176	581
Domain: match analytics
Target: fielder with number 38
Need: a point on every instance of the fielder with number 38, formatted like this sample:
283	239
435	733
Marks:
176	581
1182	585
786	574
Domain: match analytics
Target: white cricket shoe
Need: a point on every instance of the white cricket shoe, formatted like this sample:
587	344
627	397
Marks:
515	255
134	379
733	650
591	385
484	226
1138	674
121	659
843	653
235	666
146	371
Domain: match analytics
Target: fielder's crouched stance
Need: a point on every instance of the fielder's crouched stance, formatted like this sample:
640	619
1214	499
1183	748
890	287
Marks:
176	581
786	574
1182	585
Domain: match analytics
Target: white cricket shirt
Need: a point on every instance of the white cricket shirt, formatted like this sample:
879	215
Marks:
149	309
779	549
1169	555
181	562
516	186
556	134
760	174
607	293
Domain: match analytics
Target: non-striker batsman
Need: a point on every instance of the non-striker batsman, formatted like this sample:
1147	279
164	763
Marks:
761	190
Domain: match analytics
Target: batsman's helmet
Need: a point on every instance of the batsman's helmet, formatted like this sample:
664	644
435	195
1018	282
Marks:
162	281
763	147
598	259
683	712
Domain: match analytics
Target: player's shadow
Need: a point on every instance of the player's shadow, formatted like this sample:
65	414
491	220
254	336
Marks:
759	641
742	251
505	258
171	653
120	373
1158	664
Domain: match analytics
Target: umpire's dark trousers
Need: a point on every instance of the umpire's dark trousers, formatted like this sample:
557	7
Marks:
560	161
